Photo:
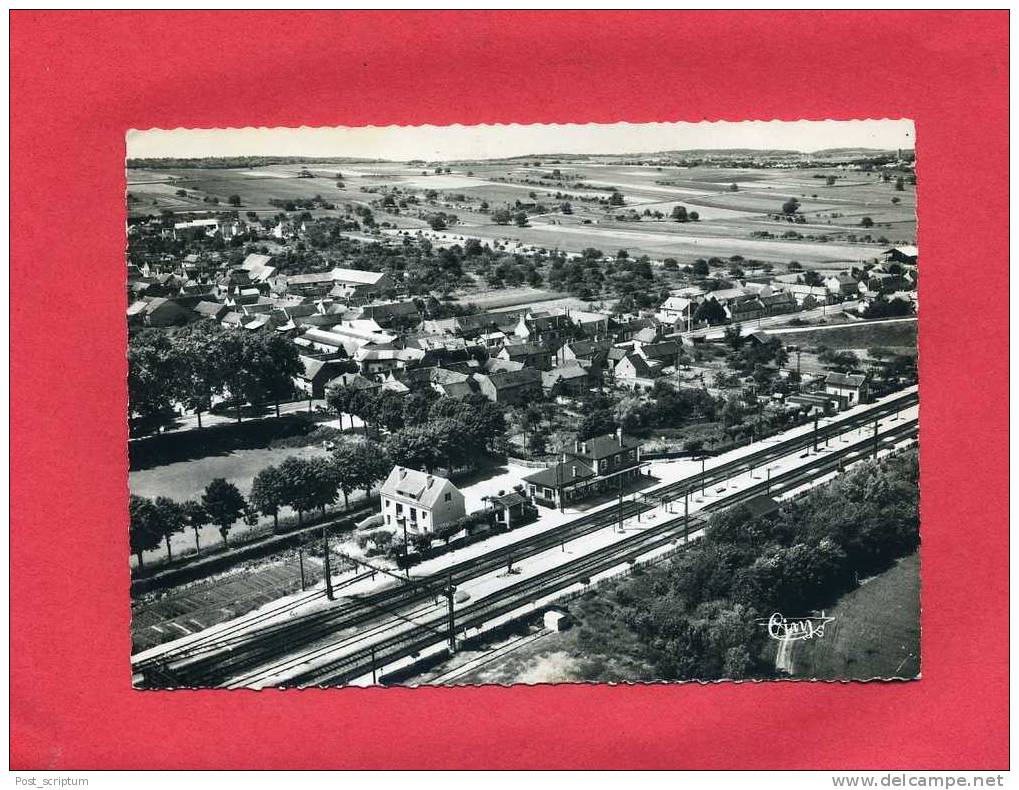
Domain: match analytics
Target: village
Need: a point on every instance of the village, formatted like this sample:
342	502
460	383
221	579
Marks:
417	389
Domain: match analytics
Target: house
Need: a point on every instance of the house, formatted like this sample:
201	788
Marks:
841	285
570	379
382	359
157	311
510	387
728	296
677	310
633	371
418	503
649	334
531	355
779	303
666	352
746	309
550	327
602	463
624	330
589	323
393	384
195	229
358	284
258	268
906	254
316	374
387	314
850	388
347	338
351	381
594	352
817	294
313	284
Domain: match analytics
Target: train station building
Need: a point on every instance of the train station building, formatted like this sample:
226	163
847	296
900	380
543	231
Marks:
602	463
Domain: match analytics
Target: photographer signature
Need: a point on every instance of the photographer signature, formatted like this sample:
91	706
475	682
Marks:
782	628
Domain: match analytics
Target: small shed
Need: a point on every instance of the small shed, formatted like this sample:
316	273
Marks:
556	620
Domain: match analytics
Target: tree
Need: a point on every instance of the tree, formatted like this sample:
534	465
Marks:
502	217
679	213
733	188
701	268
195	351
299	484
866	222
711	312
145	528
734	336
234	200
616	198
171	520
900	185
269	493
153	381
830	180
413	447
596	423
195	517
273	363
325	482
359	464
791	206
224	504
520	218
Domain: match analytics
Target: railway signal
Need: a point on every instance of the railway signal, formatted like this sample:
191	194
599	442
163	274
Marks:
328	572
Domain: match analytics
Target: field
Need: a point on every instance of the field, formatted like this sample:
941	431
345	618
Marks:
728	218
899	336
875	634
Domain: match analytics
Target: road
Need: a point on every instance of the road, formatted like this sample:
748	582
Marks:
282	643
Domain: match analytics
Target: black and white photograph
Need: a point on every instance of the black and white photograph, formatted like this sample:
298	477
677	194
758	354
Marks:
523	404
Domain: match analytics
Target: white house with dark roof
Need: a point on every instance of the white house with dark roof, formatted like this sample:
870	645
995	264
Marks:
850	388
419	502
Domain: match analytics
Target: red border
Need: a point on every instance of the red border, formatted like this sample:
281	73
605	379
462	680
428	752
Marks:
79	80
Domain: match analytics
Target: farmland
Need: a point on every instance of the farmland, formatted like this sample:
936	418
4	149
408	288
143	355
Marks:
739	211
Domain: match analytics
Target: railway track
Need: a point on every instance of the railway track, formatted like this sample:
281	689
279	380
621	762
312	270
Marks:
423	635
235	649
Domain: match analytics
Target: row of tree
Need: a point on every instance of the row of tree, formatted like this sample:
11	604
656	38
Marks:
302	484
198	363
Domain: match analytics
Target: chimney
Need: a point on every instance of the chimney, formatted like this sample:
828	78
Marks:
428	481
403	472
574	471
576	445
583	448
619	436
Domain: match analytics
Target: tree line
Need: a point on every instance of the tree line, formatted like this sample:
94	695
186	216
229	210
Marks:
302	484
200	362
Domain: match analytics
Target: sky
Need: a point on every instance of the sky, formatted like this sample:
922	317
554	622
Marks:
436	143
